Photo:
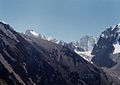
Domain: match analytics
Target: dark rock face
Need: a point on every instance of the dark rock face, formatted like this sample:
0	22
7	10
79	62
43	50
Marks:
104	47
26	60
104	51
101	51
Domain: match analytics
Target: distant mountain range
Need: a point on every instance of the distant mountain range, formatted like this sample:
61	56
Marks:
32	33
83	46
86	43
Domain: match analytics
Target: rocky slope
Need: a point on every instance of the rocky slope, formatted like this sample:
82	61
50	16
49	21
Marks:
107	51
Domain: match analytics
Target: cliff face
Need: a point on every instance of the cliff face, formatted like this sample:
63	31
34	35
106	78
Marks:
108	43
107	51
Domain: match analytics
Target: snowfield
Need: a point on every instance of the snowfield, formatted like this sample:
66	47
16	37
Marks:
86	55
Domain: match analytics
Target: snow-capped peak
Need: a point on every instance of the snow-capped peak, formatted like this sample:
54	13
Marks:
50	38
111	36
86	42
54	40
119	24
113	27
111	31
3	21
32	33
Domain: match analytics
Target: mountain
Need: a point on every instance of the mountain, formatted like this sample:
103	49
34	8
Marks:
26	60
84	46
86	43
107	51
32	33
54	40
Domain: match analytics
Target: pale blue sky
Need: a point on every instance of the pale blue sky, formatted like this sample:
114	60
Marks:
64	19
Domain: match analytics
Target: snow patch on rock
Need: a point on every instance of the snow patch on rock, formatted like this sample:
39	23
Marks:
86	55
3	21
34	33
117	48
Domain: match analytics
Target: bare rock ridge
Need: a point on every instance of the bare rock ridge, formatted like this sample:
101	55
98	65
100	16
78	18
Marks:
26	60
107	51
108	43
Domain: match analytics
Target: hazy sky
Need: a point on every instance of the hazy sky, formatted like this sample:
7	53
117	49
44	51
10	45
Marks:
64	19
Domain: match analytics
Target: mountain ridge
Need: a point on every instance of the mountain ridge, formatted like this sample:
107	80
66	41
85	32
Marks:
83	46
26	60
107	51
